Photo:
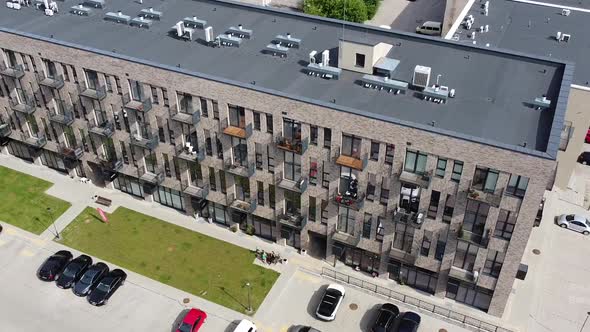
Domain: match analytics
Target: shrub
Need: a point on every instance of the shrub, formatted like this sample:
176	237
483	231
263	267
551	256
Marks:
250	229
354	11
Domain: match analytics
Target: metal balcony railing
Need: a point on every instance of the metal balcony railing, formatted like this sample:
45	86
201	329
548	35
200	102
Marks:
54	82
17	71
245	205
190	116
296	220
196	191
110	163
65	117
346	238
38	141
236	169
299	185
290	144
98	92
421	179
150	142
5	130
156	177
26	106
189	154
75	152
480	239
407	217
239	132
142	105
347	201
492	197
357	162
105	129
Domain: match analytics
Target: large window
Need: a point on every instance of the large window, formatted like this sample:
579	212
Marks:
218	213
517	185
169	197
313	134
292	166
404	235
20	150
415	162
348	185
441	167
415	277
237	116
292	203
389	153
425	247
375	150
351	146
269	125
346	220
505	224
128	185
449	209
465	255
493	264
53	160
433	206
468	294
327	137
291	130
457	171
312	209
256	120
240	151
367	223
380	232
485	179
263	227
475	217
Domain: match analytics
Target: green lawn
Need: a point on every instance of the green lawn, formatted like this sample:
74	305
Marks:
201	265
24	203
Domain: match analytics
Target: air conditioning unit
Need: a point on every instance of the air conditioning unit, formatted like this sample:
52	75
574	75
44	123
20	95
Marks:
566	37
209	34
312	55
325	58
566	12
421	76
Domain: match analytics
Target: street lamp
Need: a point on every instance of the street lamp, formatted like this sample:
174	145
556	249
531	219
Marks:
53	221
249	302
585	320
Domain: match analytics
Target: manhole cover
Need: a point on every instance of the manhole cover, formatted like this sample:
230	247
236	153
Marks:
186	300
353	306
536	251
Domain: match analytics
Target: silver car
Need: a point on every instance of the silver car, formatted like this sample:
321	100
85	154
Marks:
574	222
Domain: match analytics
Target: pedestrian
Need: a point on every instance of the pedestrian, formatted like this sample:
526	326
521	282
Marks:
263	256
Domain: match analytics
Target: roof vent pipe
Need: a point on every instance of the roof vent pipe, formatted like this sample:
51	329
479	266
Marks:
119	13
240	26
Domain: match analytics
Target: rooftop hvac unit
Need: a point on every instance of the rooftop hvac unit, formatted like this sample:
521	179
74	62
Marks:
421	76
312	55
566	12
325	58
179	29
209	34
566	37
558	36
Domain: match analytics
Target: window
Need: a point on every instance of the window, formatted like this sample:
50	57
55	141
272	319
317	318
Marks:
165	97
457	170
169	197
425	247
292	166
167	170
325	176
64	69
212	182
375	150
346	220
270	160
380	230
271	196
258	156
404	235
465	255
312	208
327	137
415	162
505	224
124	153
449	209
161	134
440	250
565	135
155	99
313	172
384	195
204	108
370	191
485	179
215	105
468	294
517	185
493	263
269	126
433	206
324	212
314	135
176	168
441	167
351	146
367	223
476	214
256	120
260	193
208	144
222	182
360	60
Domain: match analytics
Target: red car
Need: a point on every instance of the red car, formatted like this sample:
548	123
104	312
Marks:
587	140
193	320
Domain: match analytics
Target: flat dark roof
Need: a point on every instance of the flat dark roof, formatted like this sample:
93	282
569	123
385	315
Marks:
492	87
531	28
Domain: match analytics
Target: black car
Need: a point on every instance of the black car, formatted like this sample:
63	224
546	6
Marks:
90	279
409	322
106	287
73	271
54	265
385	317
584	158
303	329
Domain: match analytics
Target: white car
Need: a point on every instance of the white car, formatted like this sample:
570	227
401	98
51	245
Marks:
245	326
330	302
575	222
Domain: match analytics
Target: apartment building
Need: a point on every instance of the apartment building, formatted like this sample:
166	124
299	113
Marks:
420	159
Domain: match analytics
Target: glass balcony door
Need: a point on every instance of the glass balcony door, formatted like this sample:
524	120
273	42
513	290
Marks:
237	116
11	58
50	69
150	162
242	188
196	175
92	79
292	203
409	198
351	146
291	130
292	166
136	90
240	152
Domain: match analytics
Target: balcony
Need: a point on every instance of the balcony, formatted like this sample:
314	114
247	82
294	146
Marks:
188	153
345	238
298	186
65	117
246	206
355	162
196	191
37	142
98	92
292	220
402	256
190	117
480	240
5	130
461	274
298	146
141	105
156	177
110	163
420	179
487	196
25	107
235	131
70	152
105	129
236	169
150	142
348	201
407	217
17	71
54	82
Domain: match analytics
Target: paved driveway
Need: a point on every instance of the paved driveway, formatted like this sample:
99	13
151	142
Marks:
405	15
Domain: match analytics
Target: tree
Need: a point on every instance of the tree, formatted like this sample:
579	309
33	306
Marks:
348	10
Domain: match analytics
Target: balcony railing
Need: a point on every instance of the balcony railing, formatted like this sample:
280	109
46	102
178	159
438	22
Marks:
407	217
487	196
349	239
150	142
25	107
420	179
5	130
55	82
347	201
230	130
156	177
70	152
292	219
190	117
299	186
105	129
142	105
356	162
17	71
110	163
479	239
403	256
98	92
65	117
245	171
247	206
38	141
298	146
196	191
189	153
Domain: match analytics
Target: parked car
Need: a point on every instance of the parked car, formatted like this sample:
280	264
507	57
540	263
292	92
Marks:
409	322
90	279
301	328
587	139
192	321
584	158
245	326
575	222
54	265
73	271
107	286
385	317
331	300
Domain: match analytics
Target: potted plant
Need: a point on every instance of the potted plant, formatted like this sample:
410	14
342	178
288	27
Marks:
250	229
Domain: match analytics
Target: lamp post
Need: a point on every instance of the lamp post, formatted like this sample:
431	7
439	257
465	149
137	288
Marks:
585	320
249	302
53	221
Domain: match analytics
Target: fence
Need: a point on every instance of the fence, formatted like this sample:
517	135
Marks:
389	293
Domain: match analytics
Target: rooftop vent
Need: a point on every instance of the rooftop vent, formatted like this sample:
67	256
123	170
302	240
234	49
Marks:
421	76
325	58
566	12
151	14
312	55
80	10
239	32
209	35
